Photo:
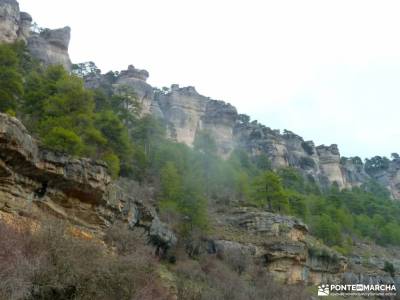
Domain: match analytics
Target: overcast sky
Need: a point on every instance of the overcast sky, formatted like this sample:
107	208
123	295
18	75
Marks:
327	70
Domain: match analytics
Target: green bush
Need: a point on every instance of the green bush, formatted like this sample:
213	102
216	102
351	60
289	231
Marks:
113	164
63	140
11	82
388	267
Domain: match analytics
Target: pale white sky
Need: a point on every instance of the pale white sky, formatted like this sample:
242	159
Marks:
327	70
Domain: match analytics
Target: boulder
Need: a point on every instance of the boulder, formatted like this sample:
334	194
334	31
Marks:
161	235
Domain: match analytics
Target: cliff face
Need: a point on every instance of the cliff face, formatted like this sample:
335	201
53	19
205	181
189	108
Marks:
322	163
136	79
390	178
10	21
185	113
183	110
49	46
35	182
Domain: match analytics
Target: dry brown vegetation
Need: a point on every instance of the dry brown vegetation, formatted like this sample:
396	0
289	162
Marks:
51	264
214	279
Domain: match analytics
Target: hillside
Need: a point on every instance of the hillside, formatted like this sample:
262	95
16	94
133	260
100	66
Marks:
176	195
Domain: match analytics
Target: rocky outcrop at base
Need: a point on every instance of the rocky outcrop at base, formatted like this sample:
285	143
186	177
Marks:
283	244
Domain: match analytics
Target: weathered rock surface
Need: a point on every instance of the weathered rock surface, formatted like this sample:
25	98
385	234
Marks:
284	245
183	110
186	113
329	161
33	180
25	24
390	178
48	46
136	79
9	21
263	222
51	47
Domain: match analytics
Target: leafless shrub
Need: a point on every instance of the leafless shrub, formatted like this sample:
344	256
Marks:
222	281
51	264
264	286
236	258
127	241
213	279
189	276
17	264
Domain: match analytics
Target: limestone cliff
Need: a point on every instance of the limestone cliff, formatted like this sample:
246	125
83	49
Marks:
10	21
51	47
136	79
390	177
183	110
34	181
185	113
48	46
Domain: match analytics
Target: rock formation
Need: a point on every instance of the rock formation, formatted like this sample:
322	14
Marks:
36	181
136	79
390	178
10	20
185	113
51	47
48	46
183	110
283	244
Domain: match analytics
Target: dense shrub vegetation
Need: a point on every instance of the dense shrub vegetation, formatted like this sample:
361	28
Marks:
50	263
210	278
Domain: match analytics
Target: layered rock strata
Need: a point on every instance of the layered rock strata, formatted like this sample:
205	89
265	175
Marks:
283	244
36	181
